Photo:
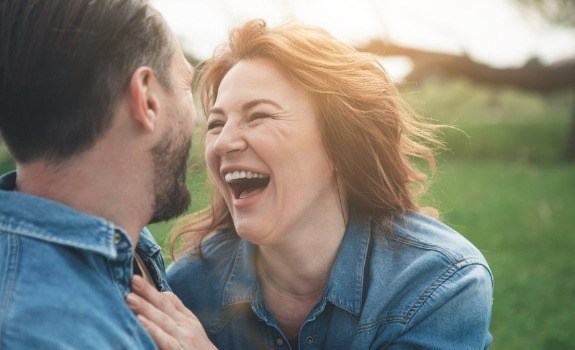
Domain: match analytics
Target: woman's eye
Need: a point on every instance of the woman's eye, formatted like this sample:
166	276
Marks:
214	125
258	116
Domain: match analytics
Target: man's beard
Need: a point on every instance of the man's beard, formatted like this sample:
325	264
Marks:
171	195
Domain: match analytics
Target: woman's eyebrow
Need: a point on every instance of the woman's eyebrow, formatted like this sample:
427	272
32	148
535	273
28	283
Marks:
216	110
249	105
246	106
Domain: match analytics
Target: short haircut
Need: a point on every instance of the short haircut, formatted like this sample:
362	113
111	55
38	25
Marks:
64	65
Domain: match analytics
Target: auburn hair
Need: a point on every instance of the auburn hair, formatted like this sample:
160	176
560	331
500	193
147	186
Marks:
371	135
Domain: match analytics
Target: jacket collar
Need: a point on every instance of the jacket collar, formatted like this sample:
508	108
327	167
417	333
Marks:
147	244
345	284
50	221
242	284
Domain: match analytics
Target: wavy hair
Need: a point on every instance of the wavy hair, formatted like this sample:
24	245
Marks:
371	135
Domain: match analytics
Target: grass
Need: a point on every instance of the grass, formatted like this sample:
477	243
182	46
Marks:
521	217
504	184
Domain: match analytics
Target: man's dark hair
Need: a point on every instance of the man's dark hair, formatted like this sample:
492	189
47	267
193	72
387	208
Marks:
65	63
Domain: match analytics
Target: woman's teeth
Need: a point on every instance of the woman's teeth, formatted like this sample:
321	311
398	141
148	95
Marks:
239	175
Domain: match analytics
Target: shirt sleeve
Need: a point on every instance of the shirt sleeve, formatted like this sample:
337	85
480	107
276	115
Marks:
454	312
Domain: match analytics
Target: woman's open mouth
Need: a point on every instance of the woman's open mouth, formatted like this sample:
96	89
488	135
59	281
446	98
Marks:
246	183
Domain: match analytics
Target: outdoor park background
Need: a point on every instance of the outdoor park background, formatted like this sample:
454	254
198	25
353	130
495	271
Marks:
505	182
506	186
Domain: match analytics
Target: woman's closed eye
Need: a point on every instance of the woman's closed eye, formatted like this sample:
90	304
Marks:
258	117
215	125
254	119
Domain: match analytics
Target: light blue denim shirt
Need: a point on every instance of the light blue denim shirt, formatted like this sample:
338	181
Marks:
422	287
64	275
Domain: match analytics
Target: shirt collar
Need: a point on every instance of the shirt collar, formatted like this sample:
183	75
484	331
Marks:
147	245
242	283
43	219
345	285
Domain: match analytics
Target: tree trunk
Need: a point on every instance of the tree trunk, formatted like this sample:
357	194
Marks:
533	76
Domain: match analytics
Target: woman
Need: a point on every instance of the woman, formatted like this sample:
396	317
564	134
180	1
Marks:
315	238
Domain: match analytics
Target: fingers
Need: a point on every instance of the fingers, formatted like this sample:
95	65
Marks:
161	319
169	322
166	332
177	303
151	295
162	339
166	302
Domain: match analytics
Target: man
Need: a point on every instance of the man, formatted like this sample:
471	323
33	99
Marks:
96	109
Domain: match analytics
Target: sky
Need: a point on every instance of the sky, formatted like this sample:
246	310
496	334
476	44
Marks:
494	32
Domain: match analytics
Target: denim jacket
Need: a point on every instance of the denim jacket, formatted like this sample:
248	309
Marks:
64	275
423	286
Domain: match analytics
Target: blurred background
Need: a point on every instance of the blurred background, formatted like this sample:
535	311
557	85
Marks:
503	73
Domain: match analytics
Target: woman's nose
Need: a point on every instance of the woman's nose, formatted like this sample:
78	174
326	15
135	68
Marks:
230	139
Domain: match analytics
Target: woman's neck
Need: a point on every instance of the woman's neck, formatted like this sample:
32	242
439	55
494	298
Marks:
294	275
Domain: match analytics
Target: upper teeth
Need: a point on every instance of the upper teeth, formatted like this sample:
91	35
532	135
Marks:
234	175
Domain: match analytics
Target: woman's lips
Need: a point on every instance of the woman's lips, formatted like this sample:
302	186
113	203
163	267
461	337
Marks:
244	184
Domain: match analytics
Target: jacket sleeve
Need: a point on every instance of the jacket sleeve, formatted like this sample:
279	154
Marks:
452	313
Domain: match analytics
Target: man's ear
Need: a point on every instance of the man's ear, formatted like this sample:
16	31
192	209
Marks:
144	101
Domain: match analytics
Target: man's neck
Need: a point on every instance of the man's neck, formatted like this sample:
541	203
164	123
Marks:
83	185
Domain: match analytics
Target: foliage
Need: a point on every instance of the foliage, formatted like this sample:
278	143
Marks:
555	11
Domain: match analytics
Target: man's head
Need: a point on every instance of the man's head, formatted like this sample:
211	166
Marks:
68	66
65	63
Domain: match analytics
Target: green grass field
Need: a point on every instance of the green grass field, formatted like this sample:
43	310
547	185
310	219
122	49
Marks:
505	185
520	216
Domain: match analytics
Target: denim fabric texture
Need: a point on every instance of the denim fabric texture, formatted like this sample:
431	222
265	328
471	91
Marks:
64	275
423	286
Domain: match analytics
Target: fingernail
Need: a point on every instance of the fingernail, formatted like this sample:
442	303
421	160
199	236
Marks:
132	301
137	283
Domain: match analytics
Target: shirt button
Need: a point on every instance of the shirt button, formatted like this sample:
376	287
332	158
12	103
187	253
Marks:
279	342
309	340
117	238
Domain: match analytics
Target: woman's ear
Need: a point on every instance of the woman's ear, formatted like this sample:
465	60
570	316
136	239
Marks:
144	101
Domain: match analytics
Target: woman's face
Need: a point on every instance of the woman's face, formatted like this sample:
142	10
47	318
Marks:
264	149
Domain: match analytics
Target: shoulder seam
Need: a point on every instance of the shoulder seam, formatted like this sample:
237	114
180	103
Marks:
412	311
444	252
445	276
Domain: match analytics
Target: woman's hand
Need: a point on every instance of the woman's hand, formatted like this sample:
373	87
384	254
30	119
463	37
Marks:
169	322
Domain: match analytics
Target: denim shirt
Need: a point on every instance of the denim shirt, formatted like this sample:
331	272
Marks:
64	275
422	287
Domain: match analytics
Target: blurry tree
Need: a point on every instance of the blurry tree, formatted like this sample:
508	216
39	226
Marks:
560	12
555	11
533	76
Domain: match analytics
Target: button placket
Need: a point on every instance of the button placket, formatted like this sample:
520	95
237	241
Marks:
309	340
122	265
